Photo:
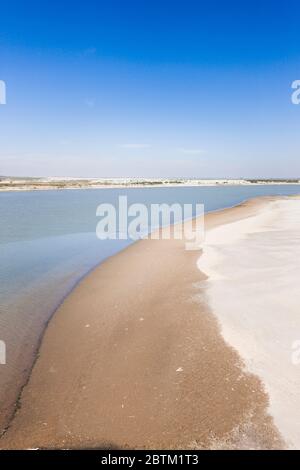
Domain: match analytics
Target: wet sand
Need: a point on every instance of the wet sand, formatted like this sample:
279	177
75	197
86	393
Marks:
135	358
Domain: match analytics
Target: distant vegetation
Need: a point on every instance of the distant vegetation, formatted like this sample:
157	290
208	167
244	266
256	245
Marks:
18	183
274	180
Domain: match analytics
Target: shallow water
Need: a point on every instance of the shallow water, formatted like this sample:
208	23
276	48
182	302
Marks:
48	242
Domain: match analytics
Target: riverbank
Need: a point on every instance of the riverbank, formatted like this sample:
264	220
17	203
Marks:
47	184
134	358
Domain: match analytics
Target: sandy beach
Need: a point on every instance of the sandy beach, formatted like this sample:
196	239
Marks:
163	348
255	263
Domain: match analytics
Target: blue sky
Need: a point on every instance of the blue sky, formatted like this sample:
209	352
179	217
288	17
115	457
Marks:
149	88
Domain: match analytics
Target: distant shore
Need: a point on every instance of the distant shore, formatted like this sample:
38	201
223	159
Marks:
134	358
38	184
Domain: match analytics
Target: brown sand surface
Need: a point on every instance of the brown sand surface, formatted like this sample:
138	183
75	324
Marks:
134	358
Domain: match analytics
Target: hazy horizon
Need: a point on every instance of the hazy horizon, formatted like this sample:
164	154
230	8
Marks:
150	177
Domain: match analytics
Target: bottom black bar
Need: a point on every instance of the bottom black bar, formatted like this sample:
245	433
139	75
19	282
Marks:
135	459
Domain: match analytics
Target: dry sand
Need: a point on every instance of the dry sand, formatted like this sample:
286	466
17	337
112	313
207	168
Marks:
134	358
255	264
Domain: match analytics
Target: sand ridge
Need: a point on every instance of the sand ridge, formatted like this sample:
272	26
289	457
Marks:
255	262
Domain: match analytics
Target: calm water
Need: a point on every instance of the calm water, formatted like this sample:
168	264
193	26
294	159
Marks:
48	242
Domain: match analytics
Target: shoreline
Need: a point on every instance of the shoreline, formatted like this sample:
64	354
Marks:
10	406
54	187
18	436
10	401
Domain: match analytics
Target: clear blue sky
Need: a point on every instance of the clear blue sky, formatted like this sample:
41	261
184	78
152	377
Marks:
150	88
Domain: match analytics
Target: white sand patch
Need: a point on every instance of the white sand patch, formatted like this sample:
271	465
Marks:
253	287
